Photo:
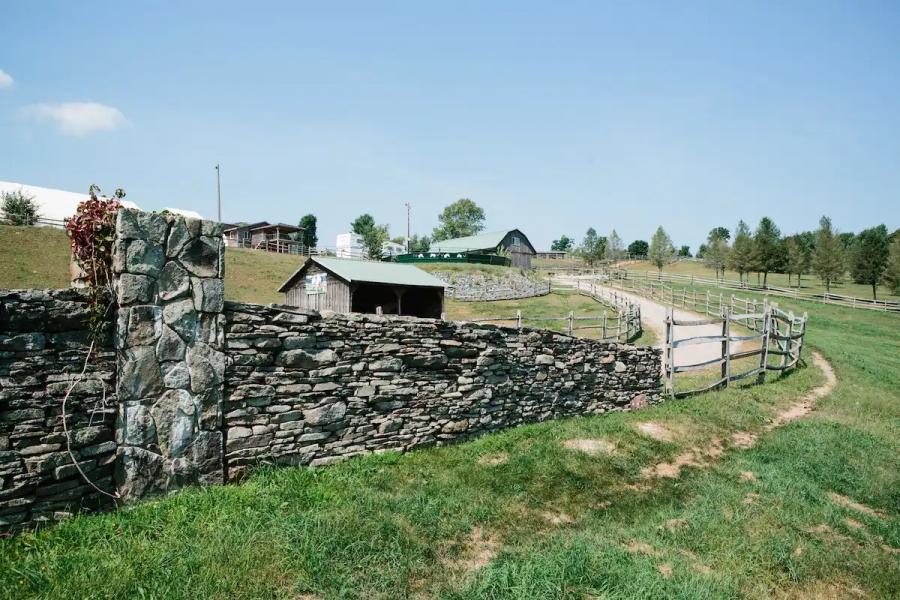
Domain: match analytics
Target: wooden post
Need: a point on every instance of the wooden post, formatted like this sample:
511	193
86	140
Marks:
726	346
571	321
766	332
603	337
707	302
788	342
443	316
518	319
669	355
377	310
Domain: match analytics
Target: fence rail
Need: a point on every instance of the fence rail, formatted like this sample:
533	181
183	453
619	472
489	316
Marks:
731	284
624	326
59	223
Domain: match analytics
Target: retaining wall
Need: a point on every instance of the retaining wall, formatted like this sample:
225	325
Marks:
476	287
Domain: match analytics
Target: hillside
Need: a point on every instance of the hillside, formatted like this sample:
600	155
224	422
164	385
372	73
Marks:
38	257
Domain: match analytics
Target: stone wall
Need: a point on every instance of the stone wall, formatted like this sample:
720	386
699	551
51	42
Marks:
506	285
305	390
43	345
169	337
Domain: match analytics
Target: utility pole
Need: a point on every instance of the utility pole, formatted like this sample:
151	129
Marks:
407	227
218	194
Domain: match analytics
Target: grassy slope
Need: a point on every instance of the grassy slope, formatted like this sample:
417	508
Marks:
809	283
394	526
38	257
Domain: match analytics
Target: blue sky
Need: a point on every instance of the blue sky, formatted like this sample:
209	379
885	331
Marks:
552	116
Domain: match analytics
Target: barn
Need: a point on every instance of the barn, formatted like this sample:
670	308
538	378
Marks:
344	285
511	240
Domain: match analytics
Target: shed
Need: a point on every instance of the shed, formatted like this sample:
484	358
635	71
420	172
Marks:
511	240
345	285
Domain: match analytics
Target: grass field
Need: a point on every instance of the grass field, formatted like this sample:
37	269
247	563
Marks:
808	283
811	511
38	257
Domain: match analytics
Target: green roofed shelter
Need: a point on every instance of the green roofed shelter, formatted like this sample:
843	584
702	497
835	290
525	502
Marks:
511	240
344	285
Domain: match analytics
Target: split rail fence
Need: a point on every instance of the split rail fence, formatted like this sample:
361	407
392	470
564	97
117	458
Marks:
623	326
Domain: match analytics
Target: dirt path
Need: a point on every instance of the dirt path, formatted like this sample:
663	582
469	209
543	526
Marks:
653	316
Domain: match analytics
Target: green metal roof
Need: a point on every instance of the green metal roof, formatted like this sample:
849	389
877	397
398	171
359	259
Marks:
369	271
483	241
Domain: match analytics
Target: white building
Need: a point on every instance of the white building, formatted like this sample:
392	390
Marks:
349	245
53	205
392	249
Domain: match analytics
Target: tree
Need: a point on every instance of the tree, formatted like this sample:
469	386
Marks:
740	258
701	251
870	257
828	259
460	219
615	247
891	275
362	224
847	240
593	247
766	247
19	208
563	244
419	244
684	252
309	237
638	248
797	259
719	233
716	256
661	251
374	239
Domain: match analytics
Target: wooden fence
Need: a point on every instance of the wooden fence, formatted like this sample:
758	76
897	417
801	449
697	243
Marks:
624	326
778	333
824	297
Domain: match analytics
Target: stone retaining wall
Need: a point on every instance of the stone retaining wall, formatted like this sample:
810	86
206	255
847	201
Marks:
305	390
43	345
476	287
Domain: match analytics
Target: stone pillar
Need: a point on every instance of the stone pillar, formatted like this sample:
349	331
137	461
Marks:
168	273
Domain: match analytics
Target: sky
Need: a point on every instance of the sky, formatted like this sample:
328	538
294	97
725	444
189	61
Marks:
553	116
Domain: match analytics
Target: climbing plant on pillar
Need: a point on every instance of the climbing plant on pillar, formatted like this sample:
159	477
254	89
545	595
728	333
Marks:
92	231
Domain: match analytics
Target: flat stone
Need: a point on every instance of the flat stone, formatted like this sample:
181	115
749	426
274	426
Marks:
139	427
145	258
135	224
209	294
299	341
620	367
175	415
174	281
139	374
179	235
170	345
207	367
544	359
201	257
181	316
144	325
325	415
176	376
139	473
134	289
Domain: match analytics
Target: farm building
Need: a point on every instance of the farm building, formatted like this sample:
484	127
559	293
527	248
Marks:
275	237
512	240
345	285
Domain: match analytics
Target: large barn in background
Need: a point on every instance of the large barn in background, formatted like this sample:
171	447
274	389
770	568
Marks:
344	285
512	240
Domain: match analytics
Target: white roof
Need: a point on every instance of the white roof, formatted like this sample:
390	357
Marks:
53	204
192	214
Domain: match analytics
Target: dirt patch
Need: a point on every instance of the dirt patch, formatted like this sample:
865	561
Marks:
822	590
593	447
743	440
477	551
674	525
492	460
672	470
557	518
638	547
854	524
656	431
848	503
665	570
750	499
805	405
748	476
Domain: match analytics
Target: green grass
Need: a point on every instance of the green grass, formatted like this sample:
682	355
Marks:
809	284
489	271
38	257
395	526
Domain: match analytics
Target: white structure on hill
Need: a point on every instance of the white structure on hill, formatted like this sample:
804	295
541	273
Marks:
53	205
349	245
392	249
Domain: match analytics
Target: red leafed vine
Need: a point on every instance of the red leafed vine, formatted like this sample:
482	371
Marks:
93	230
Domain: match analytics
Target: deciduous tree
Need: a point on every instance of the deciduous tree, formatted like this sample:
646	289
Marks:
766	247
638	248
460	219
661	251
740	258
593	247
869	257
361	224
309	237
563	244
891	277
614	246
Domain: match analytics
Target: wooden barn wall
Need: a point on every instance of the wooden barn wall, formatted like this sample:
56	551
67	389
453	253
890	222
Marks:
336	297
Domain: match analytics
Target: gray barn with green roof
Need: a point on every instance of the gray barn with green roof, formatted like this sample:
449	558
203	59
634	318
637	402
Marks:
511	240
344	285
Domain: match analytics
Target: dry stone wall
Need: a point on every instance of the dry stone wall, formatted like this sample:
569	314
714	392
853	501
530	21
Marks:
506	285
305	390
43	345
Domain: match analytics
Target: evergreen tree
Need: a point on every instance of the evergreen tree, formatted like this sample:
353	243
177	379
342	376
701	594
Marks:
593	247
870	256
716	255
614	246
18	208
638	248
797	261
891	276
661	251
766	247
309	236
419	244
740	258
828	258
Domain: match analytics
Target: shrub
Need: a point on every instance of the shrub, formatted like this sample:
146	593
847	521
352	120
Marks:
19	208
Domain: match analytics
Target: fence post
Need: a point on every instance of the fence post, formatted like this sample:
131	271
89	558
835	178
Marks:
518	319
707	302
788	342
669	355
571	319
764	355
726	346
603	336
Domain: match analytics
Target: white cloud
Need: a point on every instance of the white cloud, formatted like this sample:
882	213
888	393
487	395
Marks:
6	79
78	118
